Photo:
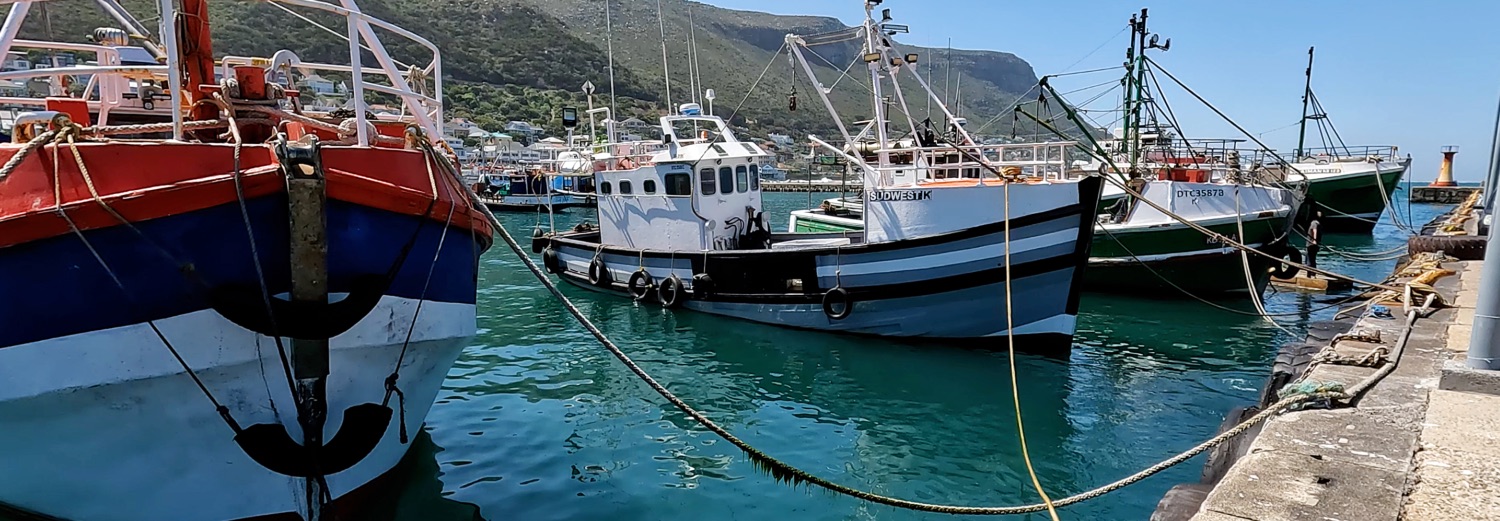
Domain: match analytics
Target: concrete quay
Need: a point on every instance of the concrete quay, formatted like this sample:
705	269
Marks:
1423	444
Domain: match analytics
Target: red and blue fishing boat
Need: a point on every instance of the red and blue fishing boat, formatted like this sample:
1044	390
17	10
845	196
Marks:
233	307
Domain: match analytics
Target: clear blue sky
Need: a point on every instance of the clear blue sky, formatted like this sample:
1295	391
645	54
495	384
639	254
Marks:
1417	74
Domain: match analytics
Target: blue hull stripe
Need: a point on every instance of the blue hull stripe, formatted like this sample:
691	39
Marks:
55	287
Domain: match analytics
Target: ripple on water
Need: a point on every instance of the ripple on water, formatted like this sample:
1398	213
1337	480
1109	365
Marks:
563	431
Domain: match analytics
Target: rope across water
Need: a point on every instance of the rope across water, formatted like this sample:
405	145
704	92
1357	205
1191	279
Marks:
784	471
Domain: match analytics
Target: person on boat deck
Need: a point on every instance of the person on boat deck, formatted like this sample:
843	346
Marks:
1314	236
1121	209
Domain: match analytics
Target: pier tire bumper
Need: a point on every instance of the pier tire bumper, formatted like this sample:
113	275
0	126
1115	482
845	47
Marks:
1461	247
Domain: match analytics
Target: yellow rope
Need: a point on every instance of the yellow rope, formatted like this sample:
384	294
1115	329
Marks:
1015	392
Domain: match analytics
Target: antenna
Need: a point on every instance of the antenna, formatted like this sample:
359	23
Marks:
693	78
666	72
609	41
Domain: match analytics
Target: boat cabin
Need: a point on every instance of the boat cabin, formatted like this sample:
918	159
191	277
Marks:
698	189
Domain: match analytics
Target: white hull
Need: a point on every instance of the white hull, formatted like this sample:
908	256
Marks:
105	425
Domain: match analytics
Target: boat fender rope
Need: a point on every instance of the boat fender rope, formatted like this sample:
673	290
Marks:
669	292
391	388
838	296
640	284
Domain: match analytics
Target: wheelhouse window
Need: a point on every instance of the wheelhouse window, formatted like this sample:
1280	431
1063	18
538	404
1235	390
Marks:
742	179
706	181
604	188
755	177
624	187
726	179
648	186
680	184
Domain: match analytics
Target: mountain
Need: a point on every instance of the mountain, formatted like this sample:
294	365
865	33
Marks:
525	59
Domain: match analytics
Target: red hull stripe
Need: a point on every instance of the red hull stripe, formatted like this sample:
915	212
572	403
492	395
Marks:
148	180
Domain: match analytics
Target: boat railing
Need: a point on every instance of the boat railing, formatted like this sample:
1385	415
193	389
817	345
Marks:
975	161
419	86
108	82
625	156
1347	153
410	83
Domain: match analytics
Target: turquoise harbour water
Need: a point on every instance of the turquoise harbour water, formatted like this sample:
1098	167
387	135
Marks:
538	422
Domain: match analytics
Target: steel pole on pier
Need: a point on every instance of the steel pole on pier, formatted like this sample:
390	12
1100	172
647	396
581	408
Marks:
1492	178
1484	340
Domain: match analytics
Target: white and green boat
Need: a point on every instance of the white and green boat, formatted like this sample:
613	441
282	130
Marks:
1350	185
1137	247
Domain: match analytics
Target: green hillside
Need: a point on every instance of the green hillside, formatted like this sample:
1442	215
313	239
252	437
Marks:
524	59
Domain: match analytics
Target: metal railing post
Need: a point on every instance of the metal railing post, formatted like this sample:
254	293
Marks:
174	63
358	80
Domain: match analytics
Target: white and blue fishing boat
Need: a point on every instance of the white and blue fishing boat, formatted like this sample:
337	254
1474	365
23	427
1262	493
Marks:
680	223
241	311
525	189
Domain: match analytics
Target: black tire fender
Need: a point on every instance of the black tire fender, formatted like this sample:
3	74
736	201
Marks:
703	285
669	292
1282	270
640	284
834	298
598	274
551	261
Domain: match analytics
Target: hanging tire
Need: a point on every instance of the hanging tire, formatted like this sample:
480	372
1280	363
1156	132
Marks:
639	285
703	285
837	304
669	292
598	274
1461	247
1283	270
551	261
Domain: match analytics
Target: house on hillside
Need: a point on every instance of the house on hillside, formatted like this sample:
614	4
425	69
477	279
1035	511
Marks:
523	131
318	85
463	128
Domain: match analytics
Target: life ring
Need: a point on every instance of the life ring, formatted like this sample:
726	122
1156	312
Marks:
598	274
640	284
1282	270
551	261
703	285
834	297
669	292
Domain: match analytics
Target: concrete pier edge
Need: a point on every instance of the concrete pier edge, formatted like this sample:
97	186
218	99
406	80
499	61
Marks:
1364	462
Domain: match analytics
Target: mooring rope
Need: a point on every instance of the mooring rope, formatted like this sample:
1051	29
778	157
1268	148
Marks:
783	471
1010	345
